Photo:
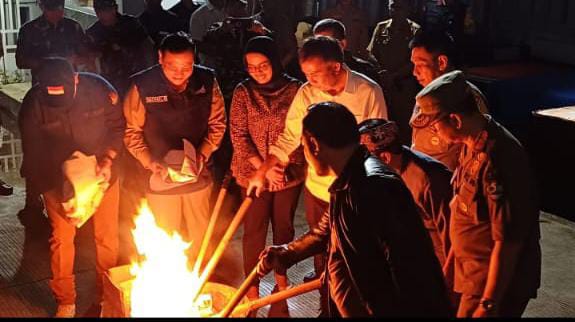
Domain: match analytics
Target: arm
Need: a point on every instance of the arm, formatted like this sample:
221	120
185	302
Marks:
377	103
436	199
116	124
239	131
216	124
24	58
287	142
135	114
32	138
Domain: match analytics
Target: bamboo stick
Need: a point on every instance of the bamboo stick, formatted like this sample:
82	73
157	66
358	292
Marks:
277	297
213	219
242	291
232	228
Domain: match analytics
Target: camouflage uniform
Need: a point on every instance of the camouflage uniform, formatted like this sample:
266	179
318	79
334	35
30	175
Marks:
38	39
124	49
391	50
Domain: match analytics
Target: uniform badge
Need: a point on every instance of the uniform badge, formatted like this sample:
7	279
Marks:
156	99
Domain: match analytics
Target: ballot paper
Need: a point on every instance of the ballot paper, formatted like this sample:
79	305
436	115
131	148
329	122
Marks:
88	188
181	168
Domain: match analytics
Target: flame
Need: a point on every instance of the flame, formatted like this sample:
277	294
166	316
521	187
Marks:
163	284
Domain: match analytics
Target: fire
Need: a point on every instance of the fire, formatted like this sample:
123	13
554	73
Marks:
163	284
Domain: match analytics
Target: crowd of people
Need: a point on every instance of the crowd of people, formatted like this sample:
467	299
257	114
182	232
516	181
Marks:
418	202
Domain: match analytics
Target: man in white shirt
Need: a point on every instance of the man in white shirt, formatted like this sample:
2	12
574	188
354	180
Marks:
329	79
209	13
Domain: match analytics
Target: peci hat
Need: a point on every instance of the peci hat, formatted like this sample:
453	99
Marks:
378	134
52	4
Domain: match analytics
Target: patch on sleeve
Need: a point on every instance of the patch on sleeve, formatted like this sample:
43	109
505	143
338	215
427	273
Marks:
114	98
493	187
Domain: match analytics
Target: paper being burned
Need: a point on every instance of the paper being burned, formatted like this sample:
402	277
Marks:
88	188
182	168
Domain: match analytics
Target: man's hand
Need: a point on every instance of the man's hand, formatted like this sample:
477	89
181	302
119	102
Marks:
272	258
157	167
480	312
275	178
256	183
200	162
104	168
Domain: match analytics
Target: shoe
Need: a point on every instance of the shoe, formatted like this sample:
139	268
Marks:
311	276
5	189
65	311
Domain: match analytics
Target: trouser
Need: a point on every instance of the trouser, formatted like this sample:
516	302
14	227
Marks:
193	207
279	207
314	210
62	249
510	307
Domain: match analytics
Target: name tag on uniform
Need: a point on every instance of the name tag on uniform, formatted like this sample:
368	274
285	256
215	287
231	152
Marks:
156	99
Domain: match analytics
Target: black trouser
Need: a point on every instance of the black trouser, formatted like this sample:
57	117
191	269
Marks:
314	210
279	207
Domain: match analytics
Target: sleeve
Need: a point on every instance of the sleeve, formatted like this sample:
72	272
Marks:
290	138
24	58
501	189
436	199
313	242
32	138
370	46
377	103
115	122
135	114
216	124
239	131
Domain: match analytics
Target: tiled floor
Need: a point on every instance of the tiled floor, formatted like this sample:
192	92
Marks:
25	271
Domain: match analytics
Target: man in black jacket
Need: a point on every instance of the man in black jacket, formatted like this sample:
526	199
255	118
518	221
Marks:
380	258
63	113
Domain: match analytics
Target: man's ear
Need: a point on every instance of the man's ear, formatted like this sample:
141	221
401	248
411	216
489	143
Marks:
160	57
455	120
343	43
442	63
385	157
313	145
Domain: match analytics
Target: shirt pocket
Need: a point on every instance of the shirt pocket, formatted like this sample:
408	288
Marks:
465	202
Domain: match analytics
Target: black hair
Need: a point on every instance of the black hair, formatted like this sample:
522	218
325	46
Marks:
331	124
335	27
437	43
323	47
178	43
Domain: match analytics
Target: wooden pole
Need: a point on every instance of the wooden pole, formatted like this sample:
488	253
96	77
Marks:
277	297
232	228
213	219
242	291
448	262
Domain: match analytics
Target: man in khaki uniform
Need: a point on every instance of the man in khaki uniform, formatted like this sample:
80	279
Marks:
433	54
389	46
494	212
355	21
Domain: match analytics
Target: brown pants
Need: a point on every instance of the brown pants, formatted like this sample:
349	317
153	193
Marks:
62	248
508	308
193	207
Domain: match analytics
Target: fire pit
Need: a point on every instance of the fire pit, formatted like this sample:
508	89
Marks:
117	288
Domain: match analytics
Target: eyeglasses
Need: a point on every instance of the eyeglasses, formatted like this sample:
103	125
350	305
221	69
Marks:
259	68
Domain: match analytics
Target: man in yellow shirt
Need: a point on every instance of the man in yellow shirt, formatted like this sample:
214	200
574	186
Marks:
329	80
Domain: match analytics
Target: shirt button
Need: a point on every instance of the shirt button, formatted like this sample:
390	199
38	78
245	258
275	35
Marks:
435	140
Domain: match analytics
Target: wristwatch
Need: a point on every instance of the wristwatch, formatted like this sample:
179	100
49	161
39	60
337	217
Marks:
487	304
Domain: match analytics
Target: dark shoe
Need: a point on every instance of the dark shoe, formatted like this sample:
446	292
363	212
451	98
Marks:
279	309
311	276
5	189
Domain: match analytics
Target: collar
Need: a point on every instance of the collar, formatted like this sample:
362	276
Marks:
481	139
406	156
343	180
351	83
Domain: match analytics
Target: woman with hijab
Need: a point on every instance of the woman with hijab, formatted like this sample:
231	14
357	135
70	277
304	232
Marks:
257	117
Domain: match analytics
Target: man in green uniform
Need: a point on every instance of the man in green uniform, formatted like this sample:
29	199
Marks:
494	212
389	46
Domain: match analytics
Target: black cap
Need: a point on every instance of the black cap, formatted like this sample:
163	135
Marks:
378	134
52	4
104	4
55	71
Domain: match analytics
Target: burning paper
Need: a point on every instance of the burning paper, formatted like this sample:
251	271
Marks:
182	168
88	187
